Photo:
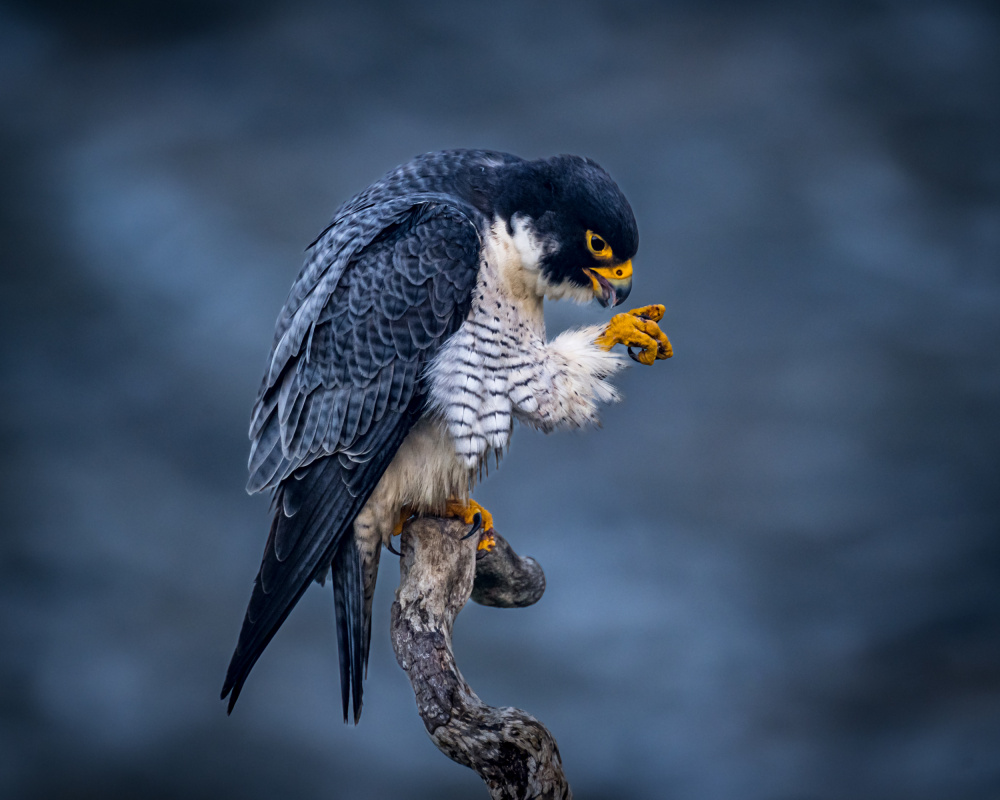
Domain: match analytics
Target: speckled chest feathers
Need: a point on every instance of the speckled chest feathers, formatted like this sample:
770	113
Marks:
487	370
498	365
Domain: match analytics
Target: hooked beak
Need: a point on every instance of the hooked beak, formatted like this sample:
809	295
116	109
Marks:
611	284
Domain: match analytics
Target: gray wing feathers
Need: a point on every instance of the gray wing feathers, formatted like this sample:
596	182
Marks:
351	388
361	344
352	230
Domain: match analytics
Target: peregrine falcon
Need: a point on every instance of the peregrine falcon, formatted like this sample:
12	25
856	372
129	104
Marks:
411	340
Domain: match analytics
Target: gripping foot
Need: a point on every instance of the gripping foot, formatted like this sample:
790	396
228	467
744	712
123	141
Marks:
472	513
638	328
477	525
404	515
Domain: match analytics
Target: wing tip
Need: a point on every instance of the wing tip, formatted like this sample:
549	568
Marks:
232	690
236	676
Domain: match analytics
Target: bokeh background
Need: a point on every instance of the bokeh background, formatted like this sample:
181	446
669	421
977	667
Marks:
774	574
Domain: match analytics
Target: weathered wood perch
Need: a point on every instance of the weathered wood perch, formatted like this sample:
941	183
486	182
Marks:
512	751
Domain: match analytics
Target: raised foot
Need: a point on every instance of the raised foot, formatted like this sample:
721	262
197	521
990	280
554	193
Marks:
638	328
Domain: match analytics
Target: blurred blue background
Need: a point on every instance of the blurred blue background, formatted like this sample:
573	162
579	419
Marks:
774	574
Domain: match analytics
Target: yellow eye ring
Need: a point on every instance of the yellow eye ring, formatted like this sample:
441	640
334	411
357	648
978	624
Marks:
598	247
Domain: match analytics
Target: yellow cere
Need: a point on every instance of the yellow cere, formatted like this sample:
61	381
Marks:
619	272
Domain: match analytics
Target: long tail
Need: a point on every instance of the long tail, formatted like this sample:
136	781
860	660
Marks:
355	568
314	511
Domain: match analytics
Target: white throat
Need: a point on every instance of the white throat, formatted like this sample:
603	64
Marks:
520	252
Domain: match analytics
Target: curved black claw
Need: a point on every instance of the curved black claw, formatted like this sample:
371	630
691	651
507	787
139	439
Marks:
633	356
477	524
391	549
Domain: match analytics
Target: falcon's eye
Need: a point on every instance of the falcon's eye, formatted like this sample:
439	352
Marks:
597	246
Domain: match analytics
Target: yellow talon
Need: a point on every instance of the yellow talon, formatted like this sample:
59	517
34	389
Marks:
487	542
466	511
638	328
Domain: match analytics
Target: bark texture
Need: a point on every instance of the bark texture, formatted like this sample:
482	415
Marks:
512	751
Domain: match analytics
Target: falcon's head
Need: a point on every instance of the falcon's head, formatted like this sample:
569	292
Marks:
572	223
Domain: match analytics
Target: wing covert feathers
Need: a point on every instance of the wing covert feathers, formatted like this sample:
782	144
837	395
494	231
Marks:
343	388
393	305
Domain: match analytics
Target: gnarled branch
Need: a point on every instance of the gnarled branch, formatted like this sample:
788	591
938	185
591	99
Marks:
512	751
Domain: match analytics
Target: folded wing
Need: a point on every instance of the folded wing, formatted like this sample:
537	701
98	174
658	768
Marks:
343	387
